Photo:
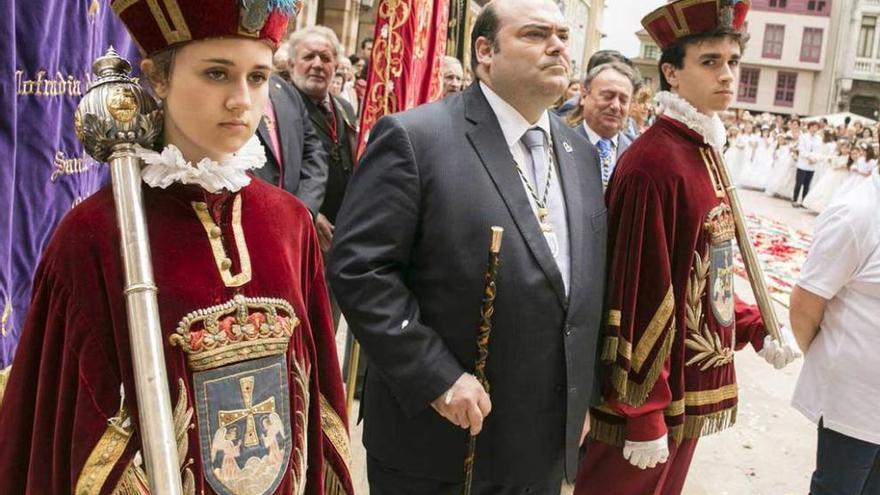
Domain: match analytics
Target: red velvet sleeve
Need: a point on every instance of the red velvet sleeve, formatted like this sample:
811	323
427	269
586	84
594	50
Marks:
329	459
749	325
63	394
640	327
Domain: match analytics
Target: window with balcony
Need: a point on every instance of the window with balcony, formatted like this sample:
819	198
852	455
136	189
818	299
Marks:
785	86
811	45
652	52
773	38
748	85
865	47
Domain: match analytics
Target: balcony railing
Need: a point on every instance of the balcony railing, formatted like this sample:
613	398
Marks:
867	66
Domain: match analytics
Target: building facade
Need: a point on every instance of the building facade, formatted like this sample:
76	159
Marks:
855	85
791	44
785	68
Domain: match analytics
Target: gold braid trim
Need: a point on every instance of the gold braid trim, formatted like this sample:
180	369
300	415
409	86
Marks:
707	397
332	484
335	430
611	434
653	331
4	377
635	394
105	455
612	347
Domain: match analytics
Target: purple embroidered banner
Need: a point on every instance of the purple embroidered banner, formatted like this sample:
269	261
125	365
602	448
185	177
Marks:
49	49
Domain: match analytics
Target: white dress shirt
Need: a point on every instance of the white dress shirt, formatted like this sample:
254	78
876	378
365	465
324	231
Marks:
514	126
809	148
839	382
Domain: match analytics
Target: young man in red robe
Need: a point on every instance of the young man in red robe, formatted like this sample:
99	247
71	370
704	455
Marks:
673	320
249	349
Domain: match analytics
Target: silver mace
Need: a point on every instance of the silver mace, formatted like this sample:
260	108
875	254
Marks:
114	115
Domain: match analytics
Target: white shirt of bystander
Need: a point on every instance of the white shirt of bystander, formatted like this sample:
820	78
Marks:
839	382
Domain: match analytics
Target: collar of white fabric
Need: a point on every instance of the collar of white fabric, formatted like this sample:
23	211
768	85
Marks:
161	169
676	107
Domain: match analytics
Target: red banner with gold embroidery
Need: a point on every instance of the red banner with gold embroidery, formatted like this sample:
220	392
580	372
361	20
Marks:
410	41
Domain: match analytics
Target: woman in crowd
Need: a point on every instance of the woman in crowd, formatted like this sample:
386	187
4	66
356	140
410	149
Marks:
781	180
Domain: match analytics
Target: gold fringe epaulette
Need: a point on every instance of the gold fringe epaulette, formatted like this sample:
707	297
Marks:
635	394
694	427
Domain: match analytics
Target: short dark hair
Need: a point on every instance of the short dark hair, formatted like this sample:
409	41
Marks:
486	25
365	41
603	57
674	53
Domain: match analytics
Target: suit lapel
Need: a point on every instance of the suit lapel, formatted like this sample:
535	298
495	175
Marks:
263	132
489	143
283	113
570	173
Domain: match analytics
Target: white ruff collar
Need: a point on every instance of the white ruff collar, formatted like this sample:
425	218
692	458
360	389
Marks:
676	107
165	168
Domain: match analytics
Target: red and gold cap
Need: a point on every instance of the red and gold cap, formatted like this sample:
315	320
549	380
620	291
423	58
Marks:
682	18
159	24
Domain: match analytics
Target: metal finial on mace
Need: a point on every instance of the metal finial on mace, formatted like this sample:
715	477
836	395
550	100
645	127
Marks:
483	332
114	115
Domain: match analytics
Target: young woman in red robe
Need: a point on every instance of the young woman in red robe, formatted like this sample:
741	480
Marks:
249	347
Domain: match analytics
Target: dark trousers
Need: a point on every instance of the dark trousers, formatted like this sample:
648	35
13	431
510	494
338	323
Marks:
385	480
802	182
845	465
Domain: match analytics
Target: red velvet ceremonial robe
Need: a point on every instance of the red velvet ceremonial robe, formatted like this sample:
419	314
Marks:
249	351
673	321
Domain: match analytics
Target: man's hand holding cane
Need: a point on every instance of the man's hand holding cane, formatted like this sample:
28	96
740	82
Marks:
465	404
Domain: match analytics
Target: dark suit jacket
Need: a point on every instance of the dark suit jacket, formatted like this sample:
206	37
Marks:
338	172
304	158
407	268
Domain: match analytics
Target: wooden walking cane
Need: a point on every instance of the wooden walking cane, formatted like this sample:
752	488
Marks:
485	328
750	258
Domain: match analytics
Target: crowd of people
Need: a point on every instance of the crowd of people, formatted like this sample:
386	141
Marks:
809	162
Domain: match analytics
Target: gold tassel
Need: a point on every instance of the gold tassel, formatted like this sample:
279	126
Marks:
132	482
708	424
4	377
332	484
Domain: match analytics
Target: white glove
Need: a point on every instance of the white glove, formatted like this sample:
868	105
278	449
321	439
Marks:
646	454
779	355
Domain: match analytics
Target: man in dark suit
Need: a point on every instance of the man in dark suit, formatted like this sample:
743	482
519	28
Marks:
409	256
606	95
313	55
295	159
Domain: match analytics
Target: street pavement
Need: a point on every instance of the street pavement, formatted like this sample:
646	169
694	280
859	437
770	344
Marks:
770	450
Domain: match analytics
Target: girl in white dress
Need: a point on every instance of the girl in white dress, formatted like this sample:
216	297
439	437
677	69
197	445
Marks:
781	180
860	168
757	171
739	153
831	182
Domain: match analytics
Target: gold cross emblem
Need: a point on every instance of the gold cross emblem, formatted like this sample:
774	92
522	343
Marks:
248	412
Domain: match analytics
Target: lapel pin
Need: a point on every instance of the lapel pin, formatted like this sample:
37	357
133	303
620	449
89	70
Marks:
566	146
278	86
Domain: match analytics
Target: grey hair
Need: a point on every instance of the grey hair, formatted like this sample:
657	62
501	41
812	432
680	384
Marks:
447	61
320	31
619	67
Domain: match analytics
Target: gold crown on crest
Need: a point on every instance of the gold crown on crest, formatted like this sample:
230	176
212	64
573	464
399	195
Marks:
720	224
241	329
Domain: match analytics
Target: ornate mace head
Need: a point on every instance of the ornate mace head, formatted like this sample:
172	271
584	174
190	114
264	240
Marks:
115	113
